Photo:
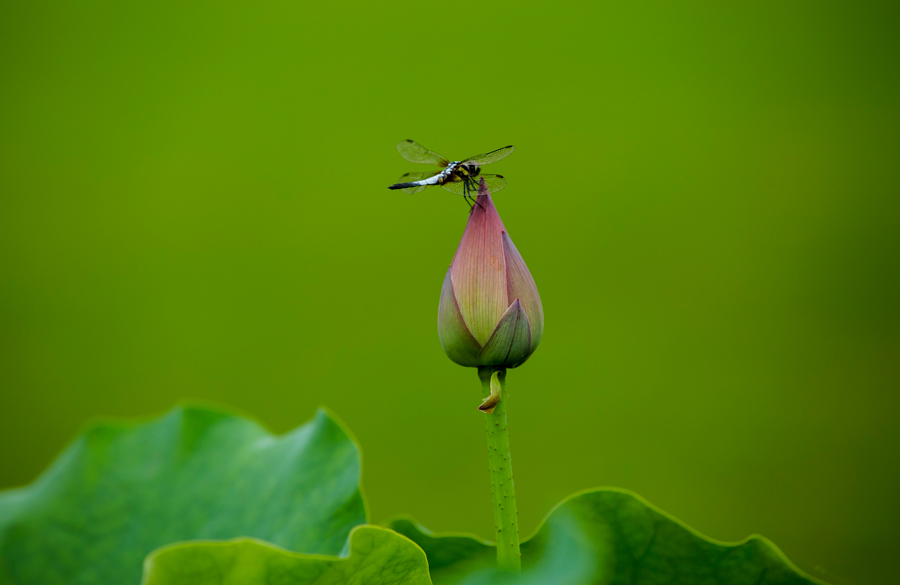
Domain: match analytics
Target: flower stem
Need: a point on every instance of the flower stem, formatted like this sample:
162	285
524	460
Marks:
506	518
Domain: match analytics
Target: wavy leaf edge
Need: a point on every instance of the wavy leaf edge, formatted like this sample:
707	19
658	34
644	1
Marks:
188	426
416	562
399	521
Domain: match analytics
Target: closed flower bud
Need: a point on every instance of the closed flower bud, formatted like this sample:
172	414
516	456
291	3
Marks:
490	312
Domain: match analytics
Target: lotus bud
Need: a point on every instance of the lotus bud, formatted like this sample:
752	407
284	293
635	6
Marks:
490	312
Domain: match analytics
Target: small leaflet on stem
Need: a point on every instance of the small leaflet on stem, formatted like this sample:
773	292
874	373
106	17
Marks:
491	401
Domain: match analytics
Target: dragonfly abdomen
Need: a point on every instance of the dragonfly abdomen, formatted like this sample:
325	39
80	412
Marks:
438	179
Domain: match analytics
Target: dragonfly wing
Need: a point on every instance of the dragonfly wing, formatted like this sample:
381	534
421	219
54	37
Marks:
494	183
411	177
456	186
489	157
415	152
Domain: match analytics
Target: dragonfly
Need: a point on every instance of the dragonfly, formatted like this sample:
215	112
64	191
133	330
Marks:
459	176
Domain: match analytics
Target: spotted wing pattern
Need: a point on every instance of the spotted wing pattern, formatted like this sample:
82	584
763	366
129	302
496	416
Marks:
494	183
489	157
415	152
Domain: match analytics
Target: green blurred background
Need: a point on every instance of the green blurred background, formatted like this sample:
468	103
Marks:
194	206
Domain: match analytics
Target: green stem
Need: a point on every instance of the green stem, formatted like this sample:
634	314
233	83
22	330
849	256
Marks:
506	518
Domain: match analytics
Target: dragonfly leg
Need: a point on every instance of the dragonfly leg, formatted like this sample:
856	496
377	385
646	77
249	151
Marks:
469	188
474	188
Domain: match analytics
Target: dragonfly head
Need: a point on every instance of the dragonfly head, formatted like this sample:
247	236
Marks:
469	170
